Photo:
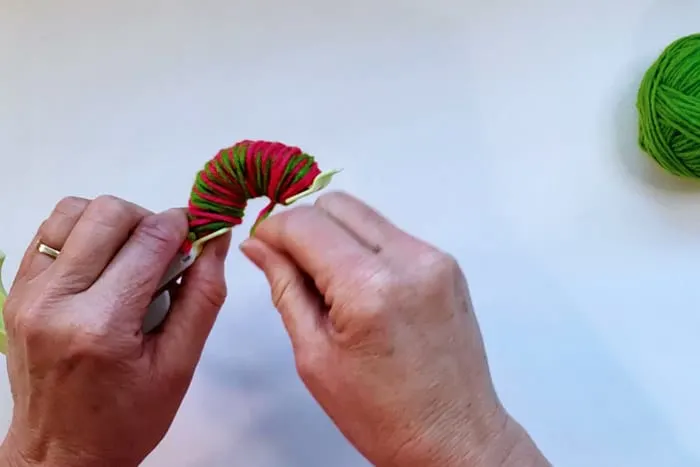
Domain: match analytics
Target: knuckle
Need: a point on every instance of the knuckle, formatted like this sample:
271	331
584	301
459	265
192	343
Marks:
8	312
70	208
109	202
71	205
108	210
307	363
45	230
375	298
381	286
438	269
157	234
292	223
214	292
29	311
299	216
372	314
97	340
442	264
27	325
16	306
70	277
329	198
302	210
86	345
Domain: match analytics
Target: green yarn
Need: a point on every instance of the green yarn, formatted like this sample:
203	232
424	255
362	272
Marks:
669	108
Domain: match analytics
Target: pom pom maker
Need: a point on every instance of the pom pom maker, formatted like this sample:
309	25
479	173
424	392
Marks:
160	305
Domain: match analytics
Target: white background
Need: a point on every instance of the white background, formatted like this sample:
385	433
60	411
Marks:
502	130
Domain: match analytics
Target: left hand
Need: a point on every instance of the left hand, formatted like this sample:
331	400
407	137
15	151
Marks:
90	389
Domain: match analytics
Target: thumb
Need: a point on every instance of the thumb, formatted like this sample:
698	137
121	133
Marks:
196	304
293	293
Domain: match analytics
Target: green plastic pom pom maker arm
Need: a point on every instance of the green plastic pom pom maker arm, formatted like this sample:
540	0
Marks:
160	306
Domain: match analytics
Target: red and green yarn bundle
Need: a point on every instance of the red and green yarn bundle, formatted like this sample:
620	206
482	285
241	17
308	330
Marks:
247	170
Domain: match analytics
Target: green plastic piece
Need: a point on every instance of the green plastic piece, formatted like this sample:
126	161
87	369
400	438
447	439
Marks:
320	182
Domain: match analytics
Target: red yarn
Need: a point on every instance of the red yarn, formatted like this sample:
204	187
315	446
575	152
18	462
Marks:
249	169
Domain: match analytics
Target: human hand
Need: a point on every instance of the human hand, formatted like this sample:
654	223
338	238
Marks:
89	388
385	338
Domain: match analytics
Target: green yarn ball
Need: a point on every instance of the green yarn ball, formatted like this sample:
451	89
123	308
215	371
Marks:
669	108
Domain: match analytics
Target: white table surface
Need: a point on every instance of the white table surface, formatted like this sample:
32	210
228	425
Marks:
502	130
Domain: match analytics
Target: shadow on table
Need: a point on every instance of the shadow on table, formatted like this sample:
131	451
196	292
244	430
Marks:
559	378
552	370
284	420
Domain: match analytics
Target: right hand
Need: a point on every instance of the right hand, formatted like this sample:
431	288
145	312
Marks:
385	338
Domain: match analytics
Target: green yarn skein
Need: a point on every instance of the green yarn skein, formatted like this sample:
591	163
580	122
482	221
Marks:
669	108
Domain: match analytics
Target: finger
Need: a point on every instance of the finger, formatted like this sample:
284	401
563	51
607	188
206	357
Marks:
53	232
195	306
300	306
96	238
363	221
136	271
316	243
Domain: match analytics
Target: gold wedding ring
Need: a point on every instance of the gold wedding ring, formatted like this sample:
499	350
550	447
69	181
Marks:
48	251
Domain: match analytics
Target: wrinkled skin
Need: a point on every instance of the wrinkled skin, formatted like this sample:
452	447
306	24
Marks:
89	388
382	327
385	338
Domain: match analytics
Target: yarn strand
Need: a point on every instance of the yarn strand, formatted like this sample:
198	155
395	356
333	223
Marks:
248	170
